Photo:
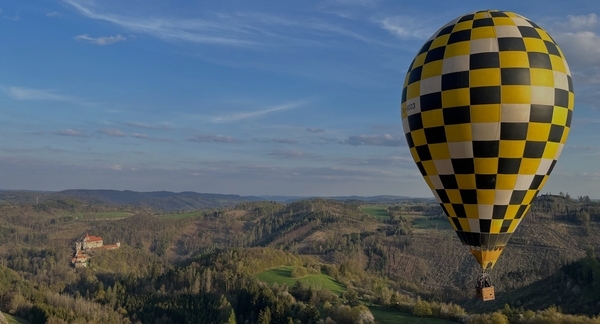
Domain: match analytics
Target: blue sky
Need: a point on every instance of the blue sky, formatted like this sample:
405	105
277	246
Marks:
244	97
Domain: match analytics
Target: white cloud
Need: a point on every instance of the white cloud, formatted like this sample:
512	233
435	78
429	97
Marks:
292	154
70	132
196	30
105	40
581	22
375	140
53	14
239	29
16	16
362	3
113	132
407	27
380	161
257	113
285	141
205	138
581	48
163	126
18	93
315	130
116	167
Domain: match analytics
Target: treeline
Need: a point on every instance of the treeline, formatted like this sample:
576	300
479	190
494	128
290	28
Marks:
508	315
579	285
423	208
290	223
580	210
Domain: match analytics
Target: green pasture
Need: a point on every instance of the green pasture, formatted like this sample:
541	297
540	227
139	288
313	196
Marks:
14	319
391	316
190	214
98	215
283	275
430	223
379	212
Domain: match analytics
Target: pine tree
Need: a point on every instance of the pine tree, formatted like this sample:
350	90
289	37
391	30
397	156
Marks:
264	317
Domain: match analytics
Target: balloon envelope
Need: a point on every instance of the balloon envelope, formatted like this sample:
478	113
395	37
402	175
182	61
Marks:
486	109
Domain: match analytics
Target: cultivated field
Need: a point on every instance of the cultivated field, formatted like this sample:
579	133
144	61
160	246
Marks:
390	316
379	212
283	275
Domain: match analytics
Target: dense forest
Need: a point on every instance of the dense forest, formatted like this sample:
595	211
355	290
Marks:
307	261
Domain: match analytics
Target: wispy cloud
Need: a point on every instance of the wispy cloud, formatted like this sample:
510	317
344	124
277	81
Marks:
382	161
581	47
139	135
113	132
257	113
70	132
116	167
292	154
284	141
363	3
162	126
105	40
15	17
328	140
196	30
18	93
315	130
407	27
580	22
206	138
375	140
578	37
238	29
53	14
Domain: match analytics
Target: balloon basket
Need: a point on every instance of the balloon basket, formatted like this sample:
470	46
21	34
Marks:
486	293
484	289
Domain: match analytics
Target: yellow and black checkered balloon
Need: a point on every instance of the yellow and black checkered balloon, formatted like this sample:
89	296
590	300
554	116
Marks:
486	109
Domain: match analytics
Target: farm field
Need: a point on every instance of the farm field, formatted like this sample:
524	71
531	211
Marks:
180	215
430	223
390	316
379	212
283	275
99	215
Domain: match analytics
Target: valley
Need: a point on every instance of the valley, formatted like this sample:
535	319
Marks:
337	255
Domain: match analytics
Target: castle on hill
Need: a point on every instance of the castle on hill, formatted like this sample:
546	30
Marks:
88	244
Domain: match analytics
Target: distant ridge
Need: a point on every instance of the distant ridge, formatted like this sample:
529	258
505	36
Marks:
159	201
381	199
167	201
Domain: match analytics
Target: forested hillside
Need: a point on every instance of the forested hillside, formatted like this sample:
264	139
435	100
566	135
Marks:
203	266
157	201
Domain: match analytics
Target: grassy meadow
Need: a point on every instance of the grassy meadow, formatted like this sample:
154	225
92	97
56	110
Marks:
100	215
14	319
379	212
283	275
390	316
430	223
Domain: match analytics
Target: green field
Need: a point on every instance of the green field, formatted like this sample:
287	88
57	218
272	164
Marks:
390	316
99	215
181	215
379	212
14	319
283	275
429	223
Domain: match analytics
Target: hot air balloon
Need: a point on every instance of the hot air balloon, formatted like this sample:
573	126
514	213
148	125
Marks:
486	109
